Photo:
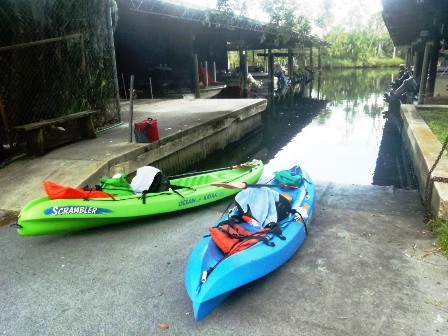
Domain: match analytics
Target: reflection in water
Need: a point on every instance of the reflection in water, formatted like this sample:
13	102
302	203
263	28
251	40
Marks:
339	140
394	166
341	144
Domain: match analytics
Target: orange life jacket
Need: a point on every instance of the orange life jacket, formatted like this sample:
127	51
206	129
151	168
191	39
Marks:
56	191
232	238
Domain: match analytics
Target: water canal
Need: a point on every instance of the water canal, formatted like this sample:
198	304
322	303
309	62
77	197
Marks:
341	132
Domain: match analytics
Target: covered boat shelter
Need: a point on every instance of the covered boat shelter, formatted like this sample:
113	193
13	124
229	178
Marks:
163	43
420	26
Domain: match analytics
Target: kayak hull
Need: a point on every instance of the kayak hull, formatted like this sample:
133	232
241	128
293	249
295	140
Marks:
229	273
44	216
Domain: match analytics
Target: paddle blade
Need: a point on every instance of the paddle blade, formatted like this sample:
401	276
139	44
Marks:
243	165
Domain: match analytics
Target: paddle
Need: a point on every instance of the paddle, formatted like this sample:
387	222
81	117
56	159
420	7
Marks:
243	165
244	185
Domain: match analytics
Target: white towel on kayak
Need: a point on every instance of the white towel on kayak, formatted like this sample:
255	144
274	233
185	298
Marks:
144	178
261	202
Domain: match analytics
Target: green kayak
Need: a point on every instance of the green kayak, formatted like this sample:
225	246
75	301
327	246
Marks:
44	215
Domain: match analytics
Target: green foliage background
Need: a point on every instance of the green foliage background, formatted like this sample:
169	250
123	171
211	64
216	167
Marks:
359	40
361	46
53	79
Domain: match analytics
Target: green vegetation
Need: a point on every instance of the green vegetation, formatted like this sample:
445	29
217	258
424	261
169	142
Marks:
437	120
361	45
285	19
55	76
371	62
360	39
440	229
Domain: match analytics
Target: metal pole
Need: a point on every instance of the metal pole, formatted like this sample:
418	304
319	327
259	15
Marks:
150	86
214	71
131	107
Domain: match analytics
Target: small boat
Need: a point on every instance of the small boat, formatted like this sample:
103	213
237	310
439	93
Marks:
210	91
45	215
212	275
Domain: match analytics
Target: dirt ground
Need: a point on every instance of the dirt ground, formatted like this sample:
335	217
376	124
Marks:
8	217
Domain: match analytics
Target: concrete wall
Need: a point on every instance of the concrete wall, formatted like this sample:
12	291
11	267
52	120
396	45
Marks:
441	86
175	153
424	149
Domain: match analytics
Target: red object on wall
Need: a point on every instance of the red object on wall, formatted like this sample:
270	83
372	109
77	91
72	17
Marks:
146	131
202	76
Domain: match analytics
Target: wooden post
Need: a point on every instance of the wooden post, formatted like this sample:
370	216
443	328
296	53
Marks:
197	89
271	83
319	58
3	114
424	73
311	56
432	74
131	107
416	60
408	58
291	76
319	83
312	68
206	74
243	69
266	65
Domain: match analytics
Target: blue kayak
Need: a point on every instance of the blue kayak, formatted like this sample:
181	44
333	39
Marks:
211	276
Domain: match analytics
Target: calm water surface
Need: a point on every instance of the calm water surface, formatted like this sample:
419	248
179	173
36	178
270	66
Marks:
342	140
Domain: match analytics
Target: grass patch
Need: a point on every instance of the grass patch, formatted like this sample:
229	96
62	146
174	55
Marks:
440	229
437	120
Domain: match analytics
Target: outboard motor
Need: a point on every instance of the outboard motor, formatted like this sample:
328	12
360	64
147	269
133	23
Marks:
405	93
403	75
283	82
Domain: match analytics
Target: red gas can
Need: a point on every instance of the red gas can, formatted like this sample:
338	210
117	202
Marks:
146	131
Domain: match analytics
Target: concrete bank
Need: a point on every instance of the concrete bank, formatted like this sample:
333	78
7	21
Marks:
424	148
189	131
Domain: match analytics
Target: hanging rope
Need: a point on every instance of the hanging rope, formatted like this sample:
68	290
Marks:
430	180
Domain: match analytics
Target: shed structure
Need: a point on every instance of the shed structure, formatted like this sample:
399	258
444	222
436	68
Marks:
161	39
421	26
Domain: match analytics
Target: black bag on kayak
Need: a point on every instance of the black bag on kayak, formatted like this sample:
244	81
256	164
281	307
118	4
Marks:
149	180
159	183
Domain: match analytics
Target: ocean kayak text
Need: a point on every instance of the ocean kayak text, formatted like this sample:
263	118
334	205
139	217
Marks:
194	200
